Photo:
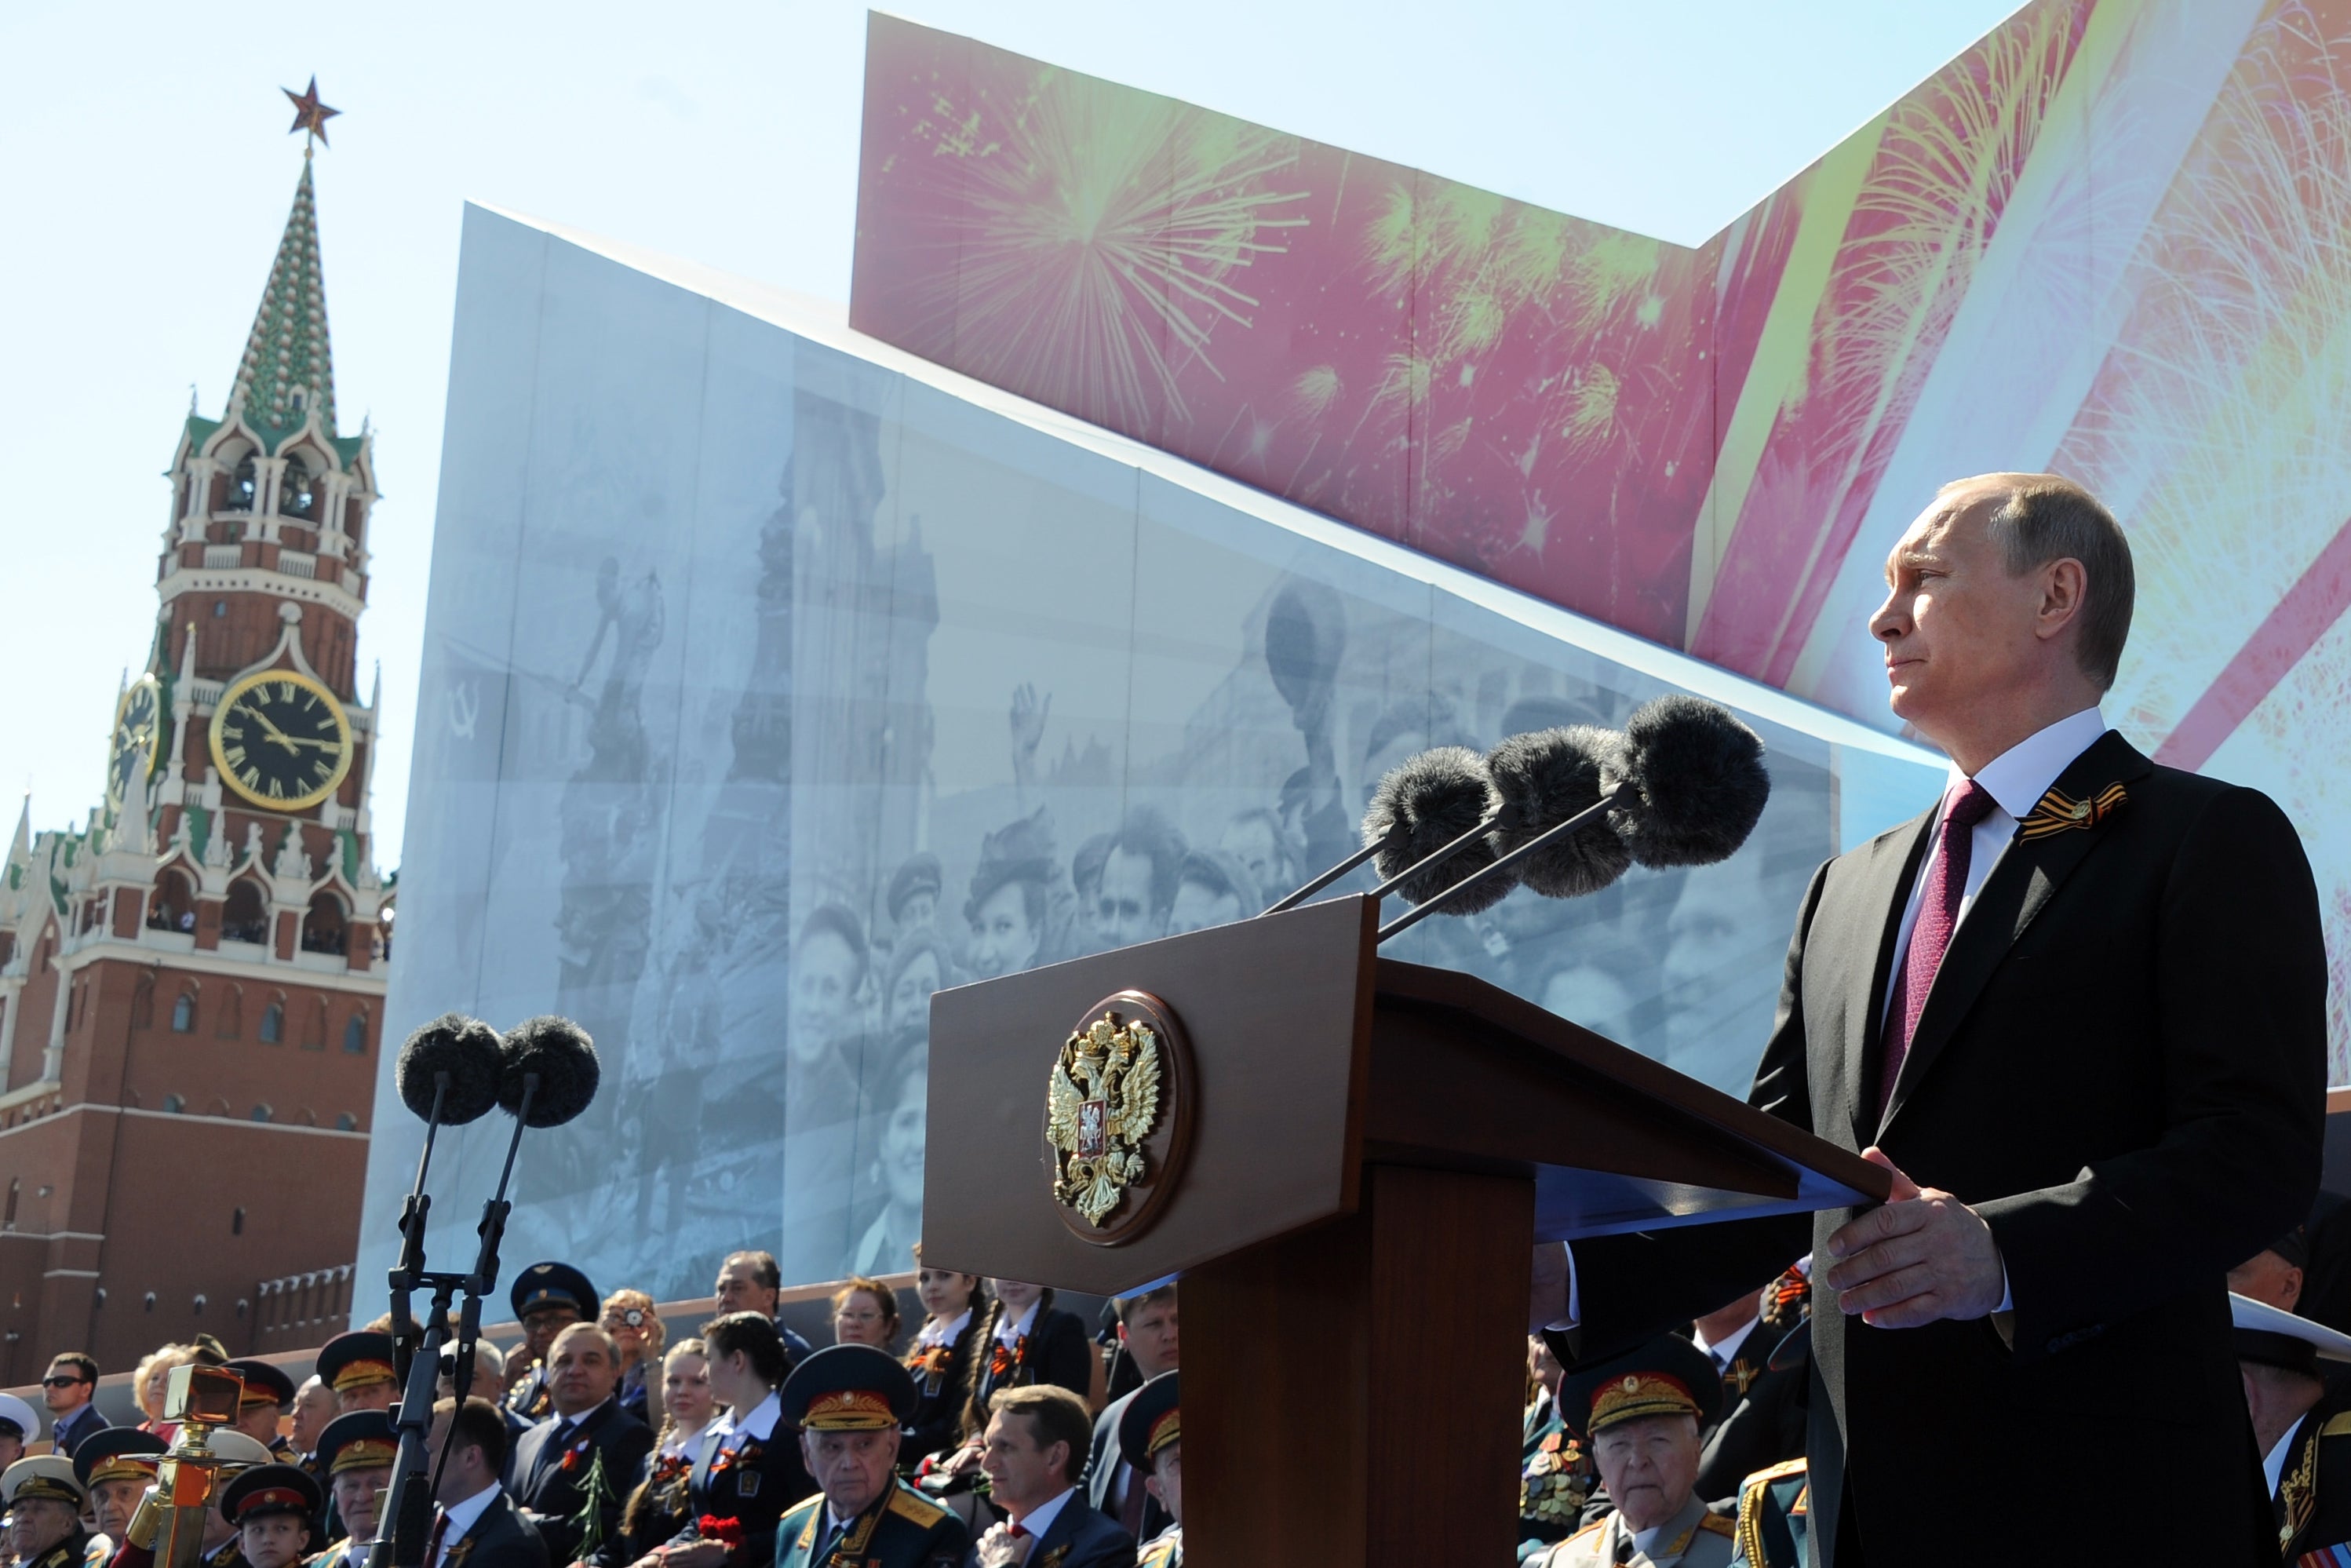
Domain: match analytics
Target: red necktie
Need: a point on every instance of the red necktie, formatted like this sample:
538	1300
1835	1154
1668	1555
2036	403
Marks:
433	1546
1938	912
1018	1531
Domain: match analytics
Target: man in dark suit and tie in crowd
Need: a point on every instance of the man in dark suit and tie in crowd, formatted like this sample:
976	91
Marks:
67	1389
2079	1011
476	1525
1147	1328
554	1459
1035	1444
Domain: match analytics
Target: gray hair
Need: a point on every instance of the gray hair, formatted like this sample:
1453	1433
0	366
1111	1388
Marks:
2045	517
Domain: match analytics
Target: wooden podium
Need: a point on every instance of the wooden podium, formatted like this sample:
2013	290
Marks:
1370	1148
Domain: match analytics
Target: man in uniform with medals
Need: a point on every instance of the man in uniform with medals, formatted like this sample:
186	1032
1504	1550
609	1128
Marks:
357	1366
849	1402
1641	1414
115	1468
356	1454
44	1512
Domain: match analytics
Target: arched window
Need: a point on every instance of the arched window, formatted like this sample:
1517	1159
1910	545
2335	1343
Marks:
347	1122
355	1033
142	1002
314	1024
241	486
247	917
298	492
322	924
228	1019
183	1013
262	1113
173	907
273	1022
173	1104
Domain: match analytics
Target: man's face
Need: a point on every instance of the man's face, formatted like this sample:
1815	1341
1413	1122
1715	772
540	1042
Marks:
1150	1336
824	987
112	1503
1123	911
1019	1470
542	1323
583	1373
366	1397
850	1466
1166	1481
1251	842
11	1450
313	1408
2266	1277
739	1291
258	1422
1649	1464
1199	906
38	1523
1958	628
64	1390
457	1478
901	1145
1003	942
274	1540
920	909
356	1492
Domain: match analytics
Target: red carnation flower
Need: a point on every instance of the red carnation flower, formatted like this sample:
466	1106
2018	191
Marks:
728	1533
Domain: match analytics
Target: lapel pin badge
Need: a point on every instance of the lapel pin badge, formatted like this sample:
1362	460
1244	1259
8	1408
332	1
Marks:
2057	812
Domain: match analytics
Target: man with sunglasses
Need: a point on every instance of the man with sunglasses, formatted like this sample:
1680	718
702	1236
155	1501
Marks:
67	1389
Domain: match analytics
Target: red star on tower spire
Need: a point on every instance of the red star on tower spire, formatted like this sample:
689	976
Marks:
309	114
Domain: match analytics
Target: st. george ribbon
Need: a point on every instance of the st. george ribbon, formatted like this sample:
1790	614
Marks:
543	1072
1683	785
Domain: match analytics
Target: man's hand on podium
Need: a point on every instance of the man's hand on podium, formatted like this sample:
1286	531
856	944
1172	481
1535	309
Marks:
1920	1257
1547	1304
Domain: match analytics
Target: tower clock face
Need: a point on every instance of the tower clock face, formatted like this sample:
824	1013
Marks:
138	732
281	740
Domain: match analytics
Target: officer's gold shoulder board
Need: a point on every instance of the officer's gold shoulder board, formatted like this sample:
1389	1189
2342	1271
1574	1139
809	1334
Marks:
2337	1425
1716	1524
908	1506
1596	1524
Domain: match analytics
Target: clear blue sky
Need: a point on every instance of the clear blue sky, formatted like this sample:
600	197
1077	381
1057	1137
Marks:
149	174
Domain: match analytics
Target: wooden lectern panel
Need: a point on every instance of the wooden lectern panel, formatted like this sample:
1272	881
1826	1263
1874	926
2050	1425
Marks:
1278	1015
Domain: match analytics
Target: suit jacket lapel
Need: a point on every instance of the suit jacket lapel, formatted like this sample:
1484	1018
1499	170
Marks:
1879	900
2029	874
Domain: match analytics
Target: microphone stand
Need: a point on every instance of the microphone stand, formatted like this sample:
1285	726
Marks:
405	1526
1420	912
1393	838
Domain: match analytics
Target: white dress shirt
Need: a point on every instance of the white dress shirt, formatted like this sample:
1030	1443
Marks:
2015	780
1726	1351
461	1519
935	1333
760	1422
1041	1519
1008	1329
2273	1462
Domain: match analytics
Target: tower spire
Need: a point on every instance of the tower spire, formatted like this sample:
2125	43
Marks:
288	367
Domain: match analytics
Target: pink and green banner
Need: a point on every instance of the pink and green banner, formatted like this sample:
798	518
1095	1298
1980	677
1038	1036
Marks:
2107	240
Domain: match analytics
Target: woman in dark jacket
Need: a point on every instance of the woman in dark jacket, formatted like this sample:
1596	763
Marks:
749	1471
1022	1338
940	1360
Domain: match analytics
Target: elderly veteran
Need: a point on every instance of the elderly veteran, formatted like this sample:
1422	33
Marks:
850	1402
357	1366
1151	1439
44	1512
355	1454
2301	1425
115	1468
1642	1414
268	1392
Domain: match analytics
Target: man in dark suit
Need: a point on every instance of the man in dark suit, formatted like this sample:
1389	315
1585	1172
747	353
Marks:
1764	1414
67	1389
2078	1011
477	1526
1037	1436
1146	1328
554	1459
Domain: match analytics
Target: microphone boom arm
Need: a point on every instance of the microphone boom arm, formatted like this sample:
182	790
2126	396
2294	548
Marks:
1420	912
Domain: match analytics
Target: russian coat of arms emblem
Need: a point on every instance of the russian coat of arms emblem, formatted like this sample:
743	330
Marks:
1101	1104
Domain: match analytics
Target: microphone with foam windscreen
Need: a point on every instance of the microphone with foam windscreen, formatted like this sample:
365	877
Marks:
549	1071
1551	775
1446	804
448	1070
1683	786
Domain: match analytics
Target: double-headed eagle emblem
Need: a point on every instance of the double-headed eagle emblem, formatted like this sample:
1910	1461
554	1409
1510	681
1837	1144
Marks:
1101	1105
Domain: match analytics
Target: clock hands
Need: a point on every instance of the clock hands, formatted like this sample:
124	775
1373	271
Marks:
290	741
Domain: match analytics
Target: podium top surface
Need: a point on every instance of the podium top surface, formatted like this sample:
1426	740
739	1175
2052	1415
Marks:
1310	1056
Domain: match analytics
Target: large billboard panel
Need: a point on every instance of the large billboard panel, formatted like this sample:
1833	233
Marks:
774	680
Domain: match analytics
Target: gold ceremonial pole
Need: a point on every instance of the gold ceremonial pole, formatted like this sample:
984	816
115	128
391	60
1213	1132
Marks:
170	1516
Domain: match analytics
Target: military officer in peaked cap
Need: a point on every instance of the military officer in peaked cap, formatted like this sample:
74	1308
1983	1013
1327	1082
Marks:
849	1402
355	1456
115	1468
2301	1425
547	1298
267	1391
18	1426
1641	1414
357	1366
1151	1439
44	1501
223	1544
